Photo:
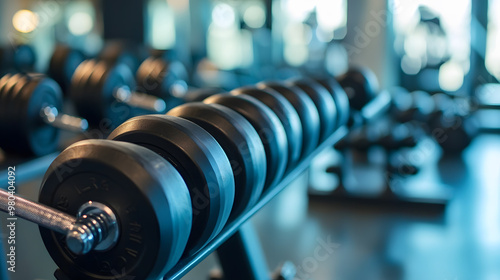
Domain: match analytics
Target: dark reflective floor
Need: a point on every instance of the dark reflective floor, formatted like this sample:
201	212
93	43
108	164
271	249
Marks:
366	242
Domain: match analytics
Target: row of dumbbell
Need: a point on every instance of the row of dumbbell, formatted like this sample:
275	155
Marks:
449	120
168	184
100	91
158	76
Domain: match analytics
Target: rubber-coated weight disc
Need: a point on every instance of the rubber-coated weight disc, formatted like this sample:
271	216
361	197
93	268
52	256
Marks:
324	103
164	79
361	86
340	98
93	88
86	103
267	125
24	96
200	160
7	82
306	109
287	115
38	93
145	192
240	142
63	64
9	112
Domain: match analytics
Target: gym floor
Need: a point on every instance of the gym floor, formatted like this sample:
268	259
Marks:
371	242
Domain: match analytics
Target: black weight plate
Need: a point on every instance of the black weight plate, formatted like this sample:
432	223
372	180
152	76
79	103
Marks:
4	80
306	109
324	103
117	112
146	193
8	92
101	107
11	111
240	142
63	64
9	121
143	76
267	125
3	96
95	106
339	96
361	86
39	93
155	77
31	135
56	64
160	78
86	103
286	113
18	142
199	159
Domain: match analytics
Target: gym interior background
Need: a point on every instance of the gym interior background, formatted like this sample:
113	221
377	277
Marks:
412	192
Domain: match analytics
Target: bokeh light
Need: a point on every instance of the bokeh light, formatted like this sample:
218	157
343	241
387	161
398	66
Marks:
80	23
255	16
451	76
223	15
25	21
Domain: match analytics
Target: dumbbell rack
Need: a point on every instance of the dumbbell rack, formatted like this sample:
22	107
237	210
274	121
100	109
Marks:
235	243
234	239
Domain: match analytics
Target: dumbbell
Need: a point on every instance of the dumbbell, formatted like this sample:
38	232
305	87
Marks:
438	115
30	114
165	79
109	210
102	93
62	65
361	86
19	58
452	125
397	137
